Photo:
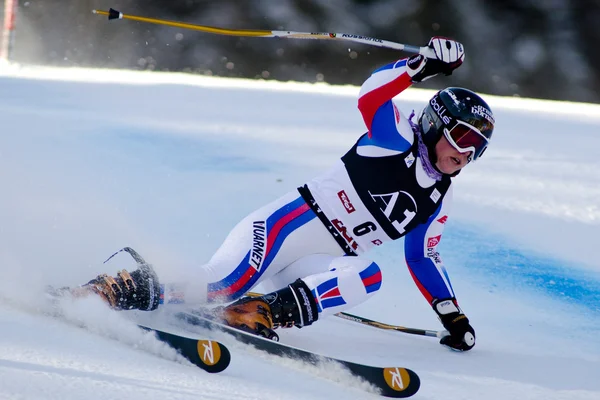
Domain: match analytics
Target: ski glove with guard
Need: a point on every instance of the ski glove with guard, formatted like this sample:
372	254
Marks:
447	55
462	334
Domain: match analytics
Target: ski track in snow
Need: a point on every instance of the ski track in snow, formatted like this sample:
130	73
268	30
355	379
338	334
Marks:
92	161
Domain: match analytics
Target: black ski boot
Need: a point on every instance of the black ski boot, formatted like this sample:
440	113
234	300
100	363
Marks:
138	290
285	308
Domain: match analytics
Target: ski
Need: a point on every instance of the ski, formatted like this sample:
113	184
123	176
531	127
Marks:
397	382
209	355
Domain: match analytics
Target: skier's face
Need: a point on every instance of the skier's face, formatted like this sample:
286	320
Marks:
449	160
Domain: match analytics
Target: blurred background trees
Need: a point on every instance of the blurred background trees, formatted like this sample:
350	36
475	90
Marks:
528	48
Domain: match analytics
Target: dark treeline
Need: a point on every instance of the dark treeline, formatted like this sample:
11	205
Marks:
534	48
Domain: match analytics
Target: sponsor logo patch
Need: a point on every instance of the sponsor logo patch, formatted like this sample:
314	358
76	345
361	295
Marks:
370	39
443	219
431	253
440	110
409	160
307	306
396	378
446	307
346	202
435	195
433	241
209	352
339	225
270	298
482	112
259	243
414	63
453	96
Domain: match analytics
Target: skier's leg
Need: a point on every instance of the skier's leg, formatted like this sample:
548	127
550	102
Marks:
338	283
308	265
261	245
349	282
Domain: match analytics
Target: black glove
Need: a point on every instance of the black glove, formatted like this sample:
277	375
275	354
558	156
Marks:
462	334
446	55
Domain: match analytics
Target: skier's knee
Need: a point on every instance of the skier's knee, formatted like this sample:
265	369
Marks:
371	277
367	270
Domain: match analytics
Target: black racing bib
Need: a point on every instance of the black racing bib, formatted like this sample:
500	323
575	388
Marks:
389	189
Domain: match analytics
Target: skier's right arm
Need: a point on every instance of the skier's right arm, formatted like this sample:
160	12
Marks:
377	92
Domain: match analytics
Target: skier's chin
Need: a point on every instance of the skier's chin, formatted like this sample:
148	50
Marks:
447	166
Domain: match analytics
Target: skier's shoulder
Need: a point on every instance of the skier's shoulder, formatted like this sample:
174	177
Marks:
391	129
404	125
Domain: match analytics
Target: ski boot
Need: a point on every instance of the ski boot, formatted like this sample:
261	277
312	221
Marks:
285	308
138	290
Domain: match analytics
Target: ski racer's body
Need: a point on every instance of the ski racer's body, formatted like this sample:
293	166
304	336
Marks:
309	245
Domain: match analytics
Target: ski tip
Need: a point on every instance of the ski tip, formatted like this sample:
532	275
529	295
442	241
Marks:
114	14
400	382
213	355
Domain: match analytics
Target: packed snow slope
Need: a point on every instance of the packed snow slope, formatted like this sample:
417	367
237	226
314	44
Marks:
93	160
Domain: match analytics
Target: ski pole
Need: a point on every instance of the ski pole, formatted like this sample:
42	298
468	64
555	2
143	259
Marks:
426	51
381	325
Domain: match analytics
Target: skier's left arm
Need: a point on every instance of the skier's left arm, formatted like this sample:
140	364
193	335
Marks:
430	275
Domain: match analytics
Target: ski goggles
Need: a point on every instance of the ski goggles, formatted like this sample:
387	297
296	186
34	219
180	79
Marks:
464	138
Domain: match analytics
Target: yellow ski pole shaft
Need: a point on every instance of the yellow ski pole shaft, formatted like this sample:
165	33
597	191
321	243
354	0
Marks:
426	51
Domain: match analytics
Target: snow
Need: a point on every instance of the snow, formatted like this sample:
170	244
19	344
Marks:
94	160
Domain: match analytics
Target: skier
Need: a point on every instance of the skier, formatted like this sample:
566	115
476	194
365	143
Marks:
396	181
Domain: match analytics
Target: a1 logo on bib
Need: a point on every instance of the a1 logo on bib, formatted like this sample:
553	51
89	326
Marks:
399	207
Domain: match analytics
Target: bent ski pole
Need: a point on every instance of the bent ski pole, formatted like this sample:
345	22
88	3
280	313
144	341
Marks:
381	325
426	51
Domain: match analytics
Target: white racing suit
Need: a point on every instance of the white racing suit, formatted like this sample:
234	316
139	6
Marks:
377	192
